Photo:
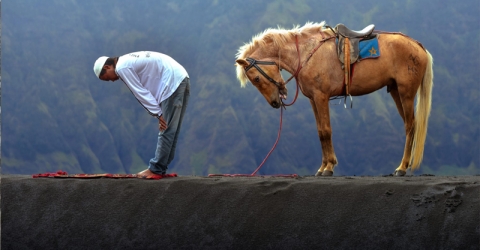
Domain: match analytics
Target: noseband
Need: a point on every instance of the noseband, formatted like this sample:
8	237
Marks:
254	63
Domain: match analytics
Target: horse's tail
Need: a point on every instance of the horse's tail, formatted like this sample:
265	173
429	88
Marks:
422	112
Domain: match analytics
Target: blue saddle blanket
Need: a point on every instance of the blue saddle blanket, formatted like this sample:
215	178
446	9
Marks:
369	49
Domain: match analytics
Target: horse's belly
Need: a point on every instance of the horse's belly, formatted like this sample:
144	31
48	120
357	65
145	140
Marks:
369	77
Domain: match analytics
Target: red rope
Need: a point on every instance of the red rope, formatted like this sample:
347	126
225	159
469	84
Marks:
266	157
283	106
281	112
274	145
271	150
300	66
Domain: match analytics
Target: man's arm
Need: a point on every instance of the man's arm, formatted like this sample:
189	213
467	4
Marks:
144	96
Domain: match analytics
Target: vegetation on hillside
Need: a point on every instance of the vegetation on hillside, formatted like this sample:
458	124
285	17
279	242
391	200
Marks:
57	115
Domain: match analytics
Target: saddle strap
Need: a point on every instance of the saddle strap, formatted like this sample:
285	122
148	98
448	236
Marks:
346	51
344	85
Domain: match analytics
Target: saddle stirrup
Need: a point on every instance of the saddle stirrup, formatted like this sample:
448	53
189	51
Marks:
345	101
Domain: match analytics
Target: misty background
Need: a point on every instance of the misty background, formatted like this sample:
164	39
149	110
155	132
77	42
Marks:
56	115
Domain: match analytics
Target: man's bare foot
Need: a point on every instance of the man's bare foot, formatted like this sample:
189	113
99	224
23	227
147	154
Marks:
146	174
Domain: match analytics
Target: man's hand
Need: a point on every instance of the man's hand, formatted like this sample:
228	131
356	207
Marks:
162	125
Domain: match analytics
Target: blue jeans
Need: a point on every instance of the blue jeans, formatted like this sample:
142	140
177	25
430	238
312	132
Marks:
173	109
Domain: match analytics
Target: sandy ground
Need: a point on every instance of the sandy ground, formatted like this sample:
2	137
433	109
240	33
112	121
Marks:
195	212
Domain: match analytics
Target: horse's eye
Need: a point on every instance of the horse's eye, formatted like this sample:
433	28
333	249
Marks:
257	79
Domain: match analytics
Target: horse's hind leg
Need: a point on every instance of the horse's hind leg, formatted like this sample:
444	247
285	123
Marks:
396	97
322	117
405	106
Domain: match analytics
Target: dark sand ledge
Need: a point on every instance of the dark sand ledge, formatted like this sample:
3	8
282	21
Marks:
188	212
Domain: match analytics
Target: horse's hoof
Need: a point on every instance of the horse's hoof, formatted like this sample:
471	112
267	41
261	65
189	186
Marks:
399	173
327	173
318	173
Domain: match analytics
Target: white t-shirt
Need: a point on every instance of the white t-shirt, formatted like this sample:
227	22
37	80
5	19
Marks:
151	76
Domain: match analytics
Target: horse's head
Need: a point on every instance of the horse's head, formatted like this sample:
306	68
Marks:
266	77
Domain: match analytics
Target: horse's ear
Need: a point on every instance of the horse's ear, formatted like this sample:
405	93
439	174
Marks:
242	62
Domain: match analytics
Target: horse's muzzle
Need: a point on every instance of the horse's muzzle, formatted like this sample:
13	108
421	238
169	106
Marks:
275	104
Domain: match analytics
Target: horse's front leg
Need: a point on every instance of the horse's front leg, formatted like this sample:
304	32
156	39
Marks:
322	116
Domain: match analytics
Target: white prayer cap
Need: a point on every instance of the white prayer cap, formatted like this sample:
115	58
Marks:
98	66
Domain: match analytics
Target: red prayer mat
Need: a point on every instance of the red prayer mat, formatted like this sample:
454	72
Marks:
252	175
62	174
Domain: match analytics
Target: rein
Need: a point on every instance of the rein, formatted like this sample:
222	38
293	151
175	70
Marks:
253	63
300	66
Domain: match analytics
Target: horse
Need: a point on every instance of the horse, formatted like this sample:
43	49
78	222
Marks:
309	54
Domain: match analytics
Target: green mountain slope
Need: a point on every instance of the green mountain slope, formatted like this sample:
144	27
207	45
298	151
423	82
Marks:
57	115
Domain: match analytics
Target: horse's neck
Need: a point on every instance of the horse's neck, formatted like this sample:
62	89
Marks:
288	59
292	56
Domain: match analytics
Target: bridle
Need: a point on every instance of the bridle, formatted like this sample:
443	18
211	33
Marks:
254	63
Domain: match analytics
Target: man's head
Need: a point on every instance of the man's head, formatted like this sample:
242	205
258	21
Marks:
104	68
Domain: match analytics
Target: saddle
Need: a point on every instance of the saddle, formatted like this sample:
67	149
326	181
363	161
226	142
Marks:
348	47
351	38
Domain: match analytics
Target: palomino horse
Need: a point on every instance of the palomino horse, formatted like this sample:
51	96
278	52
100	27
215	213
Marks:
309	53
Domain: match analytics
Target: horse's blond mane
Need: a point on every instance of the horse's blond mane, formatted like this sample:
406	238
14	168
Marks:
279	37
